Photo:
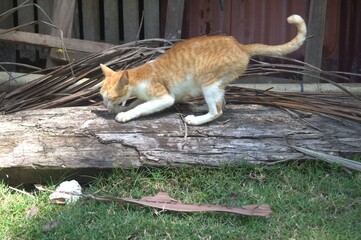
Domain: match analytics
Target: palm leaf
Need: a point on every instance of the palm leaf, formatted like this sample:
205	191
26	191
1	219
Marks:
78	83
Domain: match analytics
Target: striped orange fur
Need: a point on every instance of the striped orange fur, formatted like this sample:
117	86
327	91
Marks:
194	67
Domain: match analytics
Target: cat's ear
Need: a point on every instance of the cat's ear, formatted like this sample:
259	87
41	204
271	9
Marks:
123	80
107	71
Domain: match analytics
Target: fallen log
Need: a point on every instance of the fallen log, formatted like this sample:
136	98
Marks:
39	144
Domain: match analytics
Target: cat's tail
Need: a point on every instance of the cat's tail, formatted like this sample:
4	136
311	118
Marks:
283	49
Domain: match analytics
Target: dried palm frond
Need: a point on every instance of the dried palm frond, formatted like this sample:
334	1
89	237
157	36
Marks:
78	83
341	105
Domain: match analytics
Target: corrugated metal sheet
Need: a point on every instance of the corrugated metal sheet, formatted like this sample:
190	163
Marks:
264	21
350	36
261	21
251	21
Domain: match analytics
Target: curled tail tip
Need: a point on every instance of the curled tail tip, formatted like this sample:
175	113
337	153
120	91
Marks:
301	26
295	19
286	48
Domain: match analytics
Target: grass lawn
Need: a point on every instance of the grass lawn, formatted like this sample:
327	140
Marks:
310	200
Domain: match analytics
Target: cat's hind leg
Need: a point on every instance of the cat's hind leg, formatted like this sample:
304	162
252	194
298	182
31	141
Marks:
214	96
203	108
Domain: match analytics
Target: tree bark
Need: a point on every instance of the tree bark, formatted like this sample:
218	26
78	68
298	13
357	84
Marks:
53	141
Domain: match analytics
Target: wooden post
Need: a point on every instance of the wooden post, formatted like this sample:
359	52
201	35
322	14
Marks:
8	53
91	22
130	19
26	15
316	28
173	25
111	21
76	22
151	19
47	6
63	14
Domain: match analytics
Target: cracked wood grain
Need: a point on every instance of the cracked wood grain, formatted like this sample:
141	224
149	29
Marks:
89	138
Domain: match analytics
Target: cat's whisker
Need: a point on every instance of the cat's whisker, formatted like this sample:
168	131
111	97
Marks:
124	102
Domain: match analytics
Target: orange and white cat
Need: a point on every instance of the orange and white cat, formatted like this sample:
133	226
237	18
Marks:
195	67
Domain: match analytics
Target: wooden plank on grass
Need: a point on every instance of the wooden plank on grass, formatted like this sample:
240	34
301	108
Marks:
151	19
111	21
91	20
316	29
173	25
130	19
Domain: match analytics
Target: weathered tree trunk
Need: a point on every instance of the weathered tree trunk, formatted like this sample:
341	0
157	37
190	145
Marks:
34	143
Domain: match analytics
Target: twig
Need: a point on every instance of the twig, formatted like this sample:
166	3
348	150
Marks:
330	158
278	162
225	122
140	28
301	119
21	65
21	191
185	131
266	90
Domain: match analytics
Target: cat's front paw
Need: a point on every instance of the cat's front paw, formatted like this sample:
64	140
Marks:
112	110
191	120
123	117
117	109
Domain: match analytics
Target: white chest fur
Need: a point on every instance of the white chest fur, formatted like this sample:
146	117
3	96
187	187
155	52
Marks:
141	90
185	88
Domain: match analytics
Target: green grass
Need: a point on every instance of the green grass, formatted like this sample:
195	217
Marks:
310	200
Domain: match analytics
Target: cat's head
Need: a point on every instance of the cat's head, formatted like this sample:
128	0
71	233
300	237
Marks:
115	88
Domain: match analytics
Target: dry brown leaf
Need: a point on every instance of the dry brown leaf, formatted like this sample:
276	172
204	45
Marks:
50	225
164	202
32	212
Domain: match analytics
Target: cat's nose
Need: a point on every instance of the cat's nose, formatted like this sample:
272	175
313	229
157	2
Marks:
109	106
